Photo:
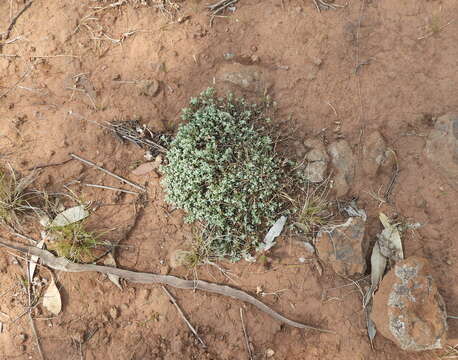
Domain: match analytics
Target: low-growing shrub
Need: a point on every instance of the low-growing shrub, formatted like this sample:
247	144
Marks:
222	169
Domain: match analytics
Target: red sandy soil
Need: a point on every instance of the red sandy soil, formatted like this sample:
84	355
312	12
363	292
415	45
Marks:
309	58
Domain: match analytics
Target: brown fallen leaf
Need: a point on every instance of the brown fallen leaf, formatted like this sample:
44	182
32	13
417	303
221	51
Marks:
51	298
143	169
148	167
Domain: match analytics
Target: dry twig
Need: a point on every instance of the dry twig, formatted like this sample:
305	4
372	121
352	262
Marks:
32	323
110	188
120	178
21	79
49	165
14	19
436	31
174	302
245	335
219	7
63	264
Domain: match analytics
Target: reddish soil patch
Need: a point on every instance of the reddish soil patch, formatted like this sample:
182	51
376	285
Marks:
309	60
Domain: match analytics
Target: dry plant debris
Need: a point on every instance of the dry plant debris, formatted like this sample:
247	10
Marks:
132	131
63	264
217	8
15	198
51	298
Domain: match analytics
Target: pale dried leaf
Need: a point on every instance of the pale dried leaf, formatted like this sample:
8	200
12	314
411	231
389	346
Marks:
70	216
274	231
51	299
318	267
390	240
310	248
110	261
371	330
378	265
144	169
45	221
33	261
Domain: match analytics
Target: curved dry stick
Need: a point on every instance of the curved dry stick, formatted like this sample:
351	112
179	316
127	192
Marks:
62	264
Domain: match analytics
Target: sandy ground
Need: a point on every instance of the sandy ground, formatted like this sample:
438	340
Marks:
67	65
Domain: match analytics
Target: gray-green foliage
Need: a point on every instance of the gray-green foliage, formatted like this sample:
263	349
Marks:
223	171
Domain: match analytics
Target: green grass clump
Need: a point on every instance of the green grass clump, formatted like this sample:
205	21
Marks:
74	242
223	171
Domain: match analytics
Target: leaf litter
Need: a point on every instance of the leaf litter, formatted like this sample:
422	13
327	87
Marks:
70	216
272	234
387	246
390	240
110	261
34	260
51	298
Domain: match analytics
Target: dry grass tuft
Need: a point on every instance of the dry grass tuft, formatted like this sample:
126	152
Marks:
315	210
15	199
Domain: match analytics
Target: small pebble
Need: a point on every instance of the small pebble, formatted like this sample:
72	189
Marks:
318	61
114	312
229	56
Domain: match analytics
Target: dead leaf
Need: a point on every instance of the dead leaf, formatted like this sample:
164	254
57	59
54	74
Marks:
274	231
144	169
310	248
110	261
70	216
390	240
318	267
33	261
371	330
51	298
270	353
378	265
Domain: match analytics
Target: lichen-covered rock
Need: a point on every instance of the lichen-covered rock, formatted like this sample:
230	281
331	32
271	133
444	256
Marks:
442	147
344	248
344	162
408	308
317	161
